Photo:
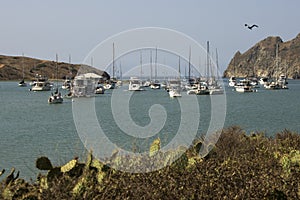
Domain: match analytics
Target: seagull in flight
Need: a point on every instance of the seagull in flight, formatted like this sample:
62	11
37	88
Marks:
252	26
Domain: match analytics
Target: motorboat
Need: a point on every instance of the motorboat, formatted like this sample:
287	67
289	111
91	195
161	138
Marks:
147	83
175	91
272	86
202	89
254	82
67	84
55	98
109	85
99	89
232	81
282	82
155	85
41	84
135	84
244	86
22	83
263	80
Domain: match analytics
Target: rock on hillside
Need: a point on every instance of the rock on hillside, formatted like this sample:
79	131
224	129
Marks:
11	68
260	60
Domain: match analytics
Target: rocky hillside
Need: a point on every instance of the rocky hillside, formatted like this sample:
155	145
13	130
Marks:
260	60
11	68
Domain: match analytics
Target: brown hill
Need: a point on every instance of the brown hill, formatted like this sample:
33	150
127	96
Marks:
260	60
11	68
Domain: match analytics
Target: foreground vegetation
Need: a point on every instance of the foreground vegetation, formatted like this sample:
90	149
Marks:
240	166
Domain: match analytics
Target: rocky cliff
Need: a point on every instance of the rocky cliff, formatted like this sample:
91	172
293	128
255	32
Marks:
260	60
11	68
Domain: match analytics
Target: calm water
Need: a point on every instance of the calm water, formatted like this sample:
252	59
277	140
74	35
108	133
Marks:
31	128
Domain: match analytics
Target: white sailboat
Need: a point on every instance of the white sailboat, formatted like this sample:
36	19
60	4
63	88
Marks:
175	85
154	84
214	87
111	84
56	97
136	84
280	81
232	80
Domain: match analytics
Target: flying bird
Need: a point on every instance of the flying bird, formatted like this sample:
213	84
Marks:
252	26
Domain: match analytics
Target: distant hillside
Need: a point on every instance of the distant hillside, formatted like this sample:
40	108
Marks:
260	60
11	68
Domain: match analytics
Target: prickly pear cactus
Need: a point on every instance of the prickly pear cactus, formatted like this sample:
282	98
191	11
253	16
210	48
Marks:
289	160
43	163
155	147
69	166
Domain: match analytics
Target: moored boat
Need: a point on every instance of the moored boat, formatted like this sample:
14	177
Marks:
232	81
135	84
244	86
55	98
41	84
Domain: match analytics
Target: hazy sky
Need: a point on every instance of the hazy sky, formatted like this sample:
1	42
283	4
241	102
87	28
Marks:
43	28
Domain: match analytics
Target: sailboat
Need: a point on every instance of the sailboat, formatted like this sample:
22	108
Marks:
175	85
232	80
200	88
135	84
22	82
214	87
111	84
280	82
155	84
56	97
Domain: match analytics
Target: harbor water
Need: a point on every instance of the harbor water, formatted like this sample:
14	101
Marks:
30	127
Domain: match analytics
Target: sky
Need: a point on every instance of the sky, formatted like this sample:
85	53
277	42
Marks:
40	29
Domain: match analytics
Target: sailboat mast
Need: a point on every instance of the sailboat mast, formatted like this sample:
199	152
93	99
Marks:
121	76
23	65
207	61
141	63
155	64
56	70
150	65
277	61
113	60
217	61
190	64
179	67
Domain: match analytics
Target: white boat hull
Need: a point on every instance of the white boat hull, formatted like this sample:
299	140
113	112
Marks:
174	93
